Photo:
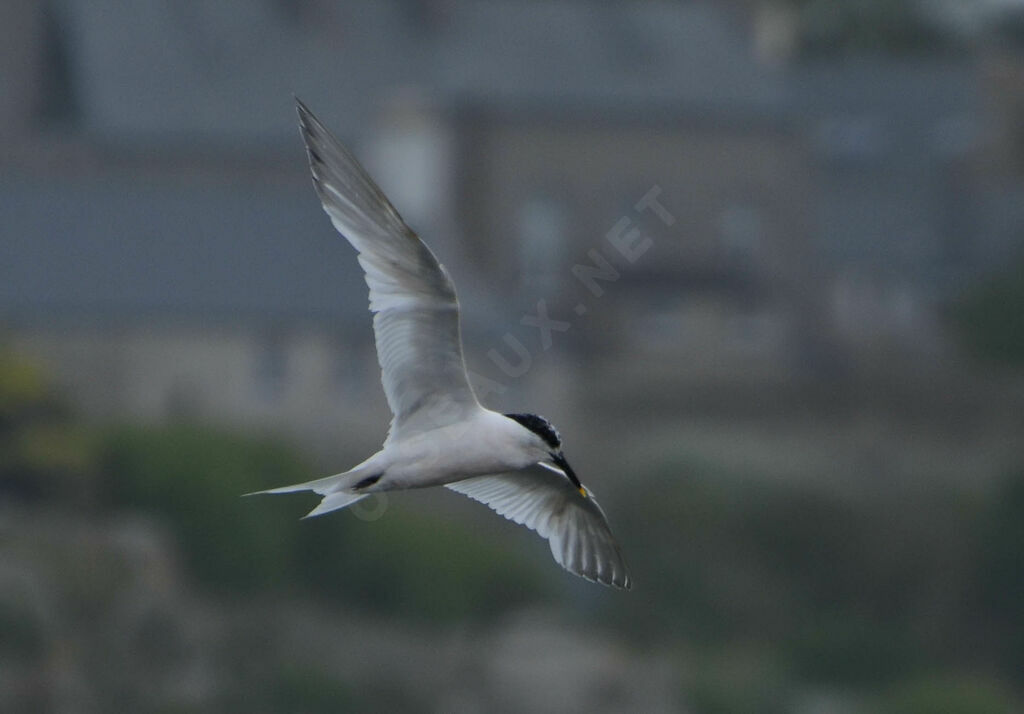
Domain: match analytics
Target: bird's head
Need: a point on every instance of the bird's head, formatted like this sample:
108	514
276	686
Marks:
548	444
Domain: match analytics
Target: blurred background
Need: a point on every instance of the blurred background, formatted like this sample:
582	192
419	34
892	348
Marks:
761	261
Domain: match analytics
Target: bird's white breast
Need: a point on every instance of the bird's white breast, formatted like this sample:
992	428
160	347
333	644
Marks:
486	443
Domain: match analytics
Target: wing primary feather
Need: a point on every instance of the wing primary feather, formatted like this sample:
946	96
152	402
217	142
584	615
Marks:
416	321
546	501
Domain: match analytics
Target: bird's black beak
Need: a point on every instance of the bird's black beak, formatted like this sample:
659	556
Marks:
558	459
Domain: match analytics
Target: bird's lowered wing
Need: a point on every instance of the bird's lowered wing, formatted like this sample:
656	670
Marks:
416	320
543	499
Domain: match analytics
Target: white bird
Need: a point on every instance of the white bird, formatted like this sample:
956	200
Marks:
440	434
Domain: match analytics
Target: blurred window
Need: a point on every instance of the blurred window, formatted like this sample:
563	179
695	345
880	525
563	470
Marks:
57	100
851	137
740	230
543	227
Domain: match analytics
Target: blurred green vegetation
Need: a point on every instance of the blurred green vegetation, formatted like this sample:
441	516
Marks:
899	592
418	564
193	479
739	678
855	593
897	27
21	635
990	317
44	452
998	574
406	563
951	694
303	690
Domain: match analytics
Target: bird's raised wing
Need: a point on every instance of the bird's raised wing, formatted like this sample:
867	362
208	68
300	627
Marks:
543	499
416	319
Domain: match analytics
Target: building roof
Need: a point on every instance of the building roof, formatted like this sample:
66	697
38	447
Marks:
114	242
618	55
227	70
122	247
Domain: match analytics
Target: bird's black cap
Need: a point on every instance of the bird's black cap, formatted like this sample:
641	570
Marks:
539	426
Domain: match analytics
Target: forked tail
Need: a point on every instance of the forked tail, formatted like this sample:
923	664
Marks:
338	491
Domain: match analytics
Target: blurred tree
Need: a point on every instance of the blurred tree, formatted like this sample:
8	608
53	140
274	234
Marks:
957	694
990	317
419	564
300	689
408	564
830	27
193	478
1009	31
862	593
44	453
999	578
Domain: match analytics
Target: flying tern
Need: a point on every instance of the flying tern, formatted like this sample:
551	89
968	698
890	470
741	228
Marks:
440	435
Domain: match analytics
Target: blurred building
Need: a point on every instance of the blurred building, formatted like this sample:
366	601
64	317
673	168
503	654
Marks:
647	96
897	192
165	254
157	295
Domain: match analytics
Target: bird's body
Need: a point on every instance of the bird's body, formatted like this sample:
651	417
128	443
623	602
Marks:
440	434
485	443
